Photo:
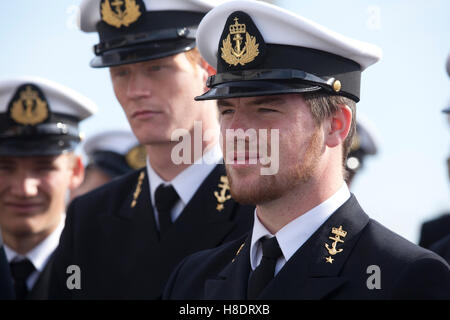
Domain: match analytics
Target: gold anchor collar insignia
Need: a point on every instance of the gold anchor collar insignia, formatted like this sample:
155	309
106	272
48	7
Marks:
136	157
339	233
222	195
238	251
28	106
118	13
138	189
241	43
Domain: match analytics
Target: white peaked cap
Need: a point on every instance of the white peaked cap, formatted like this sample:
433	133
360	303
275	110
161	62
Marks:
90	12
118	141
280	26
61	99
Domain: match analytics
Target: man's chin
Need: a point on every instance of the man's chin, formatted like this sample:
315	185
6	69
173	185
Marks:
244	171
252	189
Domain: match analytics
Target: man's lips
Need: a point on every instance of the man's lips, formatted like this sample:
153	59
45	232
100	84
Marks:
145	114
244	159
24	207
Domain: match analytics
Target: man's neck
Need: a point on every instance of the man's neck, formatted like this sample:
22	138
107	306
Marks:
160	157
24	244
275	214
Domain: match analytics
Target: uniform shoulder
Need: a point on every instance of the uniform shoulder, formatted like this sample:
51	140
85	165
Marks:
106	198
392	244
118	185
406	270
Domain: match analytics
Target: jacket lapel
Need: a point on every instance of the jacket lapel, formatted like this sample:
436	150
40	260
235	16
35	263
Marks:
205	221
313	272
231	283
135	214
131	230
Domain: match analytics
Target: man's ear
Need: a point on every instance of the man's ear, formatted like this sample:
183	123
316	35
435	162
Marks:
77	172
339	126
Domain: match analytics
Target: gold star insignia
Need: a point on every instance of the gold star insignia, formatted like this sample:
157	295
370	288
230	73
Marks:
329	259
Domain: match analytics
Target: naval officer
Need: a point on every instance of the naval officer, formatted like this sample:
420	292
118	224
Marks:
128	235
39	131
311	239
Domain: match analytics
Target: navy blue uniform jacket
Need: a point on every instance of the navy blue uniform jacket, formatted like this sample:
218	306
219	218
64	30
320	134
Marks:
117	245
406	271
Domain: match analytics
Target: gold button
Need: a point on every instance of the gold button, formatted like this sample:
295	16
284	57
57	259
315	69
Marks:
337	86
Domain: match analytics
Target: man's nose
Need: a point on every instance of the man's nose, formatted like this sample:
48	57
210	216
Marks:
25	186
240	120
139	86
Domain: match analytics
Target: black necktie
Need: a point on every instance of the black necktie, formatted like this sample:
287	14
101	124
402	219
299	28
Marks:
165	199
265	271
20	272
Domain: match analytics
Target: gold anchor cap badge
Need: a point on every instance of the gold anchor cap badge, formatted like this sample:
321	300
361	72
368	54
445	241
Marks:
29	107
338	232
222	195
239	54
116	17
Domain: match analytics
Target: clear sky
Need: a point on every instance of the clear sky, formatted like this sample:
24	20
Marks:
402	95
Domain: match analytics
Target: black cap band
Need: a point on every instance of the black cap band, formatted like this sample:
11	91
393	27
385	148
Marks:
38	145
155	35
56	135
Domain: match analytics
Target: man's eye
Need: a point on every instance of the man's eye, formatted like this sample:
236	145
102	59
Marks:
227	111
266	110
120	73
155	68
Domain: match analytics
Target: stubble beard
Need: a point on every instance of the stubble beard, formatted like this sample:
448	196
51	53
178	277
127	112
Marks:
272	187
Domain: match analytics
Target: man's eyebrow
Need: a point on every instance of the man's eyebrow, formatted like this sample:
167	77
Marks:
255	102
265	100
224	103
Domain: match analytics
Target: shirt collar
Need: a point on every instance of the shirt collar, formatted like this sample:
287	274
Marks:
189	180
293	235
40	254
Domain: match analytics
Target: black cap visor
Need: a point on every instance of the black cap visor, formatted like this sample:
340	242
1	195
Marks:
37	145
262	82
242	89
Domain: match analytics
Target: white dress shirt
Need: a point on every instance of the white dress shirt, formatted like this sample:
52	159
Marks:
187	182
293	235
39	255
